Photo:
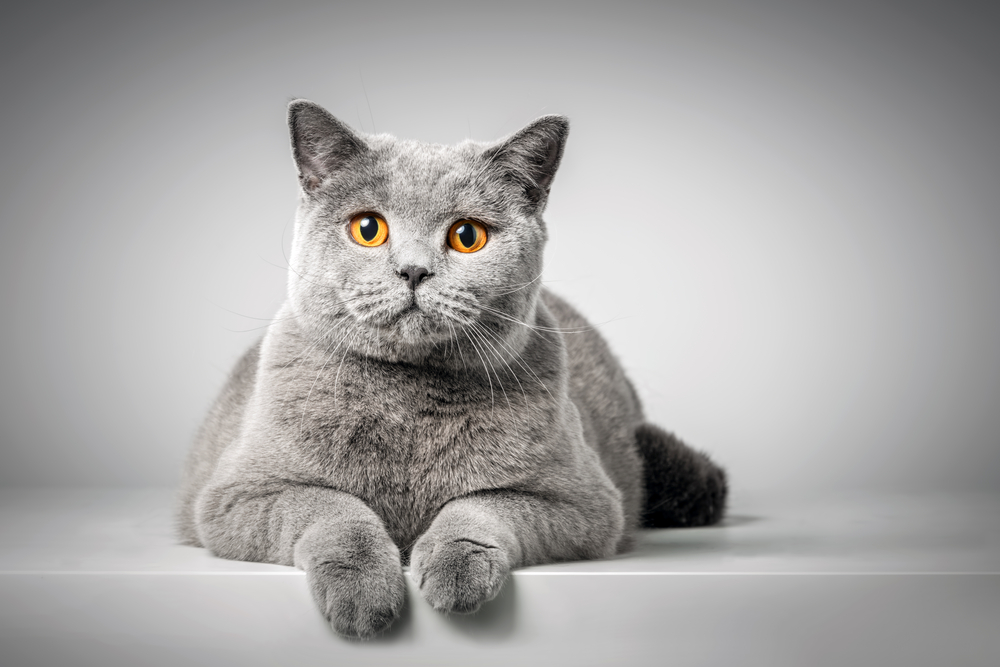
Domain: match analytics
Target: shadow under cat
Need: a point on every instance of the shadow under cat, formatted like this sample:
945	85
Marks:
495	620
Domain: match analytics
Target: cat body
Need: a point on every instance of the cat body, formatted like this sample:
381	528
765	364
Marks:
428	403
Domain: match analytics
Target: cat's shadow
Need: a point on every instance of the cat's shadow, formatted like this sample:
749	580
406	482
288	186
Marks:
739	520
667	544
497	619
401	629
494	621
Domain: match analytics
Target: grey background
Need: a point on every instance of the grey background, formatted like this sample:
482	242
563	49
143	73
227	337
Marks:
784	215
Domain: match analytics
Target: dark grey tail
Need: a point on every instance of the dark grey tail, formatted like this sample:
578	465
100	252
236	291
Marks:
683	487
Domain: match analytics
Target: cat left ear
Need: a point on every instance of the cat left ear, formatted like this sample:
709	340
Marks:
321	144
532	155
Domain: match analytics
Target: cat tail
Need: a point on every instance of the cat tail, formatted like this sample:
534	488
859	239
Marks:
683	487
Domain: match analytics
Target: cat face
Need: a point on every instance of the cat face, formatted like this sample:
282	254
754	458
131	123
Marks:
402	248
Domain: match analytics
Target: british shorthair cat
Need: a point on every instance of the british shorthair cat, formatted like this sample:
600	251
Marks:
420	398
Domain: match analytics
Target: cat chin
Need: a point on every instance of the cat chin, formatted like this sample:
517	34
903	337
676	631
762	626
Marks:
416	328
411	335
395	349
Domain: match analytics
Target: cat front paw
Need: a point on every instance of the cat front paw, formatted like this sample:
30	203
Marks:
360	591
357	603
458	575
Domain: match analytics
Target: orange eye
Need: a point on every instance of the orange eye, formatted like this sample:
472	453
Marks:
369	230
467	236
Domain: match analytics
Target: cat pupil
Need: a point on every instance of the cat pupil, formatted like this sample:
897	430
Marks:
467	235
368	228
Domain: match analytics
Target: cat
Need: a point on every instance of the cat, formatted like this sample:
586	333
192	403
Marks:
420	398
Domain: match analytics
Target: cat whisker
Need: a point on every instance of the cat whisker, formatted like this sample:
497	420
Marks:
455	317
510	407
458	344
517	289
343	356
313	342
376	310
264	326
505	316
484	343
288	267
250	317
319	373
446	344
301	276
452	341
488	379
451	320
510	370
367	358
453	301
269	320
520	361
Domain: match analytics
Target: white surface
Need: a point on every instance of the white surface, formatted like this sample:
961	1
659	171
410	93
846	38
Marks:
93	577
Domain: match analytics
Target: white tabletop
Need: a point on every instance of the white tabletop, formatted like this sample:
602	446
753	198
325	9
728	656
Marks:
94	576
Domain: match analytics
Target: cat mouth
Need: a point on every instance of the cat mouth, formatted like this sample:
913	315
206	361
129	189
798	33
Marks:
415	322
410	310
412	307
411	322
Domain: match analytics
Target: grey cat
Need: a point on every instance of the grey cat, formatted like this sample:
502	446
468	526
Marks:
421	398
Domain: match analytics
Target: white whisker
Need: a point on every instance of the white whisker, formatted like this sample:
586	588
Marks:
343	356
482	330
305	404
484	342
488	379
516	356
505	316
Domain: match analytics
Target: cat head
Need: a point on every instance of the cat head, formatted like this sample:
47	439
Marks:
402	248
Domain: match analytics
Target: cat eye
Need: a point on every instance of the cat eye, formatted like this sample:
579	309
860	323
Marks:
369	229
467	236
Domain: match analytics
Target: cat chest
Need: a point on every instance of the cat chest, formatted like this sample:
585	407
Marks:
406	456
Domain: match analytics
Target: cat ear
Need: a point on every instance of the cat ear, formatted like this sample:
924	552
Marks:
531	156
321	144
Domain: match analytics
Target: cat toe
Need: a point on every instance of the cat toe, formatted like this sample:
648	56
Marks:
357	601
458	576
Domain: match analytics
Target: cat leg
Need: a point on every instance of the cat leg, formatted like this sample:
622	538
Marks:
352	565
475	541
683	487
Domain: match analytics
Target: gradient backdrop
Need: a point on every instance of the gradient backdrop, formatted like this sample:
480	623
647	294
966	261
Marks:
785	216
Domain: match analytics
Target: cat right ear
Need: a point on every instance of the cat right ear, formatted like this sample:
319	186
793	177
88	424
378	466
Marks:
321	144
532	155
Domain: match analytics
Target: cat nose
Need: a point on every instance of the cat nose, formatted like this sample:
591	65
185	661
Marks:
413	275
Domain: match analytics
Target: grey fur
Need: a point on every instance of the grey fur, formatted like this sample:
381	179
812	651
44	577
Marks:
470	425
